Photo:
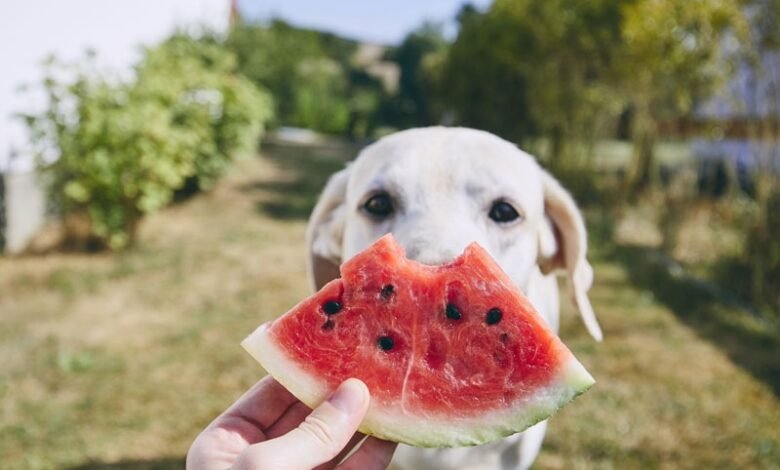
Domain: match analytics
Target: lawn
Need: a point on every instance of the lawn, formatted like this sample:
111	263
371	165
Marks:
117	361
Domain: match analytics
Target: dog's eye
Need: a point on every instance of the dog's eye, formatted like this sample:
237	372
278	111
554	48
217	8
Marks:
379	205
503	212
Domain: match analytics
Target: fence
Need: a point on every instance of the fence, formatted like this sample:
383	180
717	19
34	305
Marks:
22	210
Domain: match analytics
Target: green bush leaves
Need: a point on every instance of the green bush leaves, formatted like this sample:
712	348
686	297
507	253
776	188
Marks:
117	149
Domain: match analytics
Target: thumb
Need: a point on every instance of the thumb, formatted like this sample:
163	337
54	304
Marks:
319	438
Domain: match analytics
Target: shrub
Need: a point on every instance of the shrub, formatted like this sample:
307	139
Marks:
762	253
320	97
116	149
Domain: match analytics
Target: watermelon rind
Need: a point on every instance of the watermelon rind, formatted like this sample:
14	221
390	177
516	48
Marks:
273	359
395	423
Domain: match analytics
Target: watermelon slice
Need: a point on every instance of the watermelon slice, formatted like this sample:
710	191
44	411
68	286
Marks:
453	355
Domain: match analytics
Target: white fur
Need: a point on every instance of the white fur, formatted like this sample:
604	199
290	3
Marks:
444	182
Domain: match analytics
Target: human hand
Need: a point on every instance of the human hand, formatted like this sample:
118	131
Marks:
268	428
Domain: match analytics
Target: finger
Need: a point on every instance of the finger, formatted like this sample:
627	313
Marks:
263	404
319	438
356	439
290	420
372	454
241	425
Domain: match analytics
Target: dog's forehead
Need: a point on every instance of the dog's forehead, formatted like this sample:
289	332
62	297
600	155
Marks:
446	157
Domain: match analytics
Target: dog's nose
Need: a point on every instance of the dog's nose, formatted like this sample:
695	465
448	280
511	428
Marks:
432	255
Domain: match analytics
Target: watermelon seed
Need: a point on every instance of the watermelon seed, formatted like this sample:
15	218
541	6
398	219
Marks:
386	343
493	316
328	325
452	312
331	307
387	292
504	338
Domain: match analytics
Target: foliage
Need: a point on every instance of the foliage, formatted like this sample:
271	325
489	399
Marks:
567	60
420	59
197	79
535	67
492	95
366	99
565	71
675	53
116	149
680	47
765	16
762	252
320	100
311	75
270	57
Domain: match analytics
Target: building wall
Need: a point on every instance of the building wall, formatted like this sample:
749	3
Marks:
24	209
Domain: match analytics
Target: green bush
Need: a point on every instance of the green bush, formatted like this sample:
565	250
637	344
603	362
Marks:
120	148
762	253
315	78
320	97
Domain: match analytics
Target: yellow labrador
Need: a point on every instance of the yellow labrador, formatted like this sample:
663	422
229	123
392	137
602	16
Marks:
437	190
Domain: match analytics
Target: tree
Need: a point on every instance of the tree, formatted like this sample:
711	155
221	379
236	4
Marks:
419	58
569	67
311	76
765	20
319	96
761	246
480	89
673	55
271	56
536	67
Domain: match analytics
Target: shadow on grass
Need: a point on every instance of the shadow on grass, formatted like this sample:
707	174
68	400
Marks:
159	464
306	170
749	343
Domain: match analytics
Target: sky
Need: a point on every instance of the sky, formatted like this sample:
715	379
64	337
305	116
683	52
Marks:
385	22
30	30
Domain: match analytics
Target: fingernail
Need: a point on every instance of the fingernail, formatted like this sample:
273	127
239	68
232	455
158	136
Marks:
350	396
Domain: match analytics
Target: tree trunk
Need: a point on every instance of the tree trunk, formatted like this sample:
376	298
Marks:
556	147
642	166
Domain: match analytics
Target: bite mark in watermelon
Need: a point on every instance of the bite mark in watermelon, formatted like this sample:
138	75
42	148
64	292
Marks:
453	355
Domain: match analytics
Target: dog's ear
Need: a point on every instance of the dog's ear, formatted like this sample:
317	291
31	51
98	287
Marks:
325	231
563	245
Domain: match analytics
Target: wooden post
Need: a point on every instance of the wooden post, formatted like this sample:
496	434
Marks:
235	16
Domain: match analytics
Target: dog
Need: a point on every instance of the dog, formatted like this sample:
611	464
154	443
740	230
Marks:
437	189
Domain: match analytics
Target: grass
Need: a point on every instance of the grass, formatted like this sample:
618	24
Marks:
117	361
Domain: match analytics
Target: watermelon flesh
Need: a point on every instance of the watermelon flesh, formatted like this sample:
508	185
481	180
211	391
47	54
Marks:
453	355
